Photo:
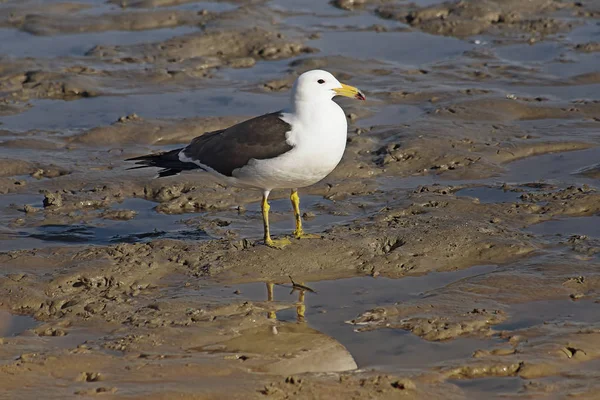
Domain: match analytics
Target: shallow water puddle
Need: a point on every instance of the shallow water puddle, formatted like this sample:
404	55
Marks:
101	7
490	194
145	226
558	91
25	231
115	233
16	43
391	115
318	7
339	34
210	6
534	313
404	48
571	62
589	226
484	388
560	169
338	301
324	8
528	53
554	168
13	325
345	22
104	110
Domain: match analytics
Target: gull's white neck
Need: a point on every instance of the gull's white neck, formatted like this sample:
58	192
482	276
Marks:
317	123
314	110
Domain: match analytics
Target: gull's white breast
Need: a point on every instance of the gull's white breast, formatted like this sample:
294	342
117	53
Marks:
318	134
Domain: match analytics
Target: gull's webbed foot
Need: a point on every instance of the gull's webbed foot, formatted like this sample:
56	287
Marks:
277	243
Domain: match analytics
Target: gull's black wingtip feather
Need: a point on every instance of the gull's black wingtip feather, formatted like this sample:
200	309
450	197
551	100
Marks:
168	172
146	157
168	161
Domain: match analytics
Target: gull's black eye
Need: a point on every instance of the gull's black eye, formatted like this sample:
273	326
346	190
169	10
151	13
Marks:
321	81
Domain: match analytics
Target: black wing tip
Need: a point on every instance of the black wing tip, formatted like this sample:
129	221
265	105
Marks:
145	157
163	173
168	161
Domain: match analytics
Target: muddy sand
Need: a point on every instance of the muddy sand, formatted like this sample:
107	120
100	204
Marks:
459	242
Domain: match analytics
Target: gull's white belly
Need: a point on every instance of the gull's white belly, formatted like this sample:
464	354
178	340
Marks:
300	167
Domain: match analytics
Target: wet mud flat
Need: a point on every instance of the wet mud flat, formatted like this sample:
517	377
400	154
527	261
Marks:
459	249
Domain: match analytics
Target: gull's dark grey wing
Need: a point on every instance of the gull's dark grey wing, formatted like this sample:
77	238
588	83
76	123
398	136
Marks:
224	151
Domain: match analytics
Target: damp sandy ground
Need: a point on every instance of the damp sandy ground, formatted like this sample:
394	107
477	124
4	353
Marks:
460	236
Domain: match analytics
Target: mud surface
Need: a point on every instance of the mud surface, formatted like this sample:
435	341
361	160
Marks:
459	244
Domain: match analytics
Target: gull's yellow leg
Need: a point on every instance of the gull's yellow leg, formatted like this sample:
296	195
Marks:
296	206
300	307
299	232
279	243
271	314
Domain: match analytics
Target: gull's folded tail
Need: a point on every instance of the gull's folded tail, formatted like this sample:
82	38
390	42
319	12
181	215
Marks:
168	161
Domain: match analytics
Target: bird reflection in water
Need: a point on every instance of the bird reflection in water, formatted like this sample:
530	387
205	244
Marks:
300	306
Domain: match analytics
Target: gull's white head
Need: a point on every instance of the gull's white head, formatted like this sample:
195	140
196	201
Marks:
317	85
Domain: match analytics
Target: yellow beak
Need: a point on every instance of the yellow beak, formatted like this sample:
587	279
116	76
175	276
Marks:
349	91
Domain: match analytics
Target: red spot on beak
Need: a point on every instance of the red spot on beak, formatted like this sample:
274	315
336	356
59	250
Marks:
360	96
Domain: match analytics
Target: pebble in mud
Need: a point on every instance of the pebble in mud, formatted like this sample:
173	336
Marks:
90	377
349	4
53	200
29	209
130	117
121	215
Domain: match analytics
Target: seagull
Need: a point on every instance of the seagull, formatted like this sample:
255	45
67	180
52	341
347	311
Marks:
289	149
